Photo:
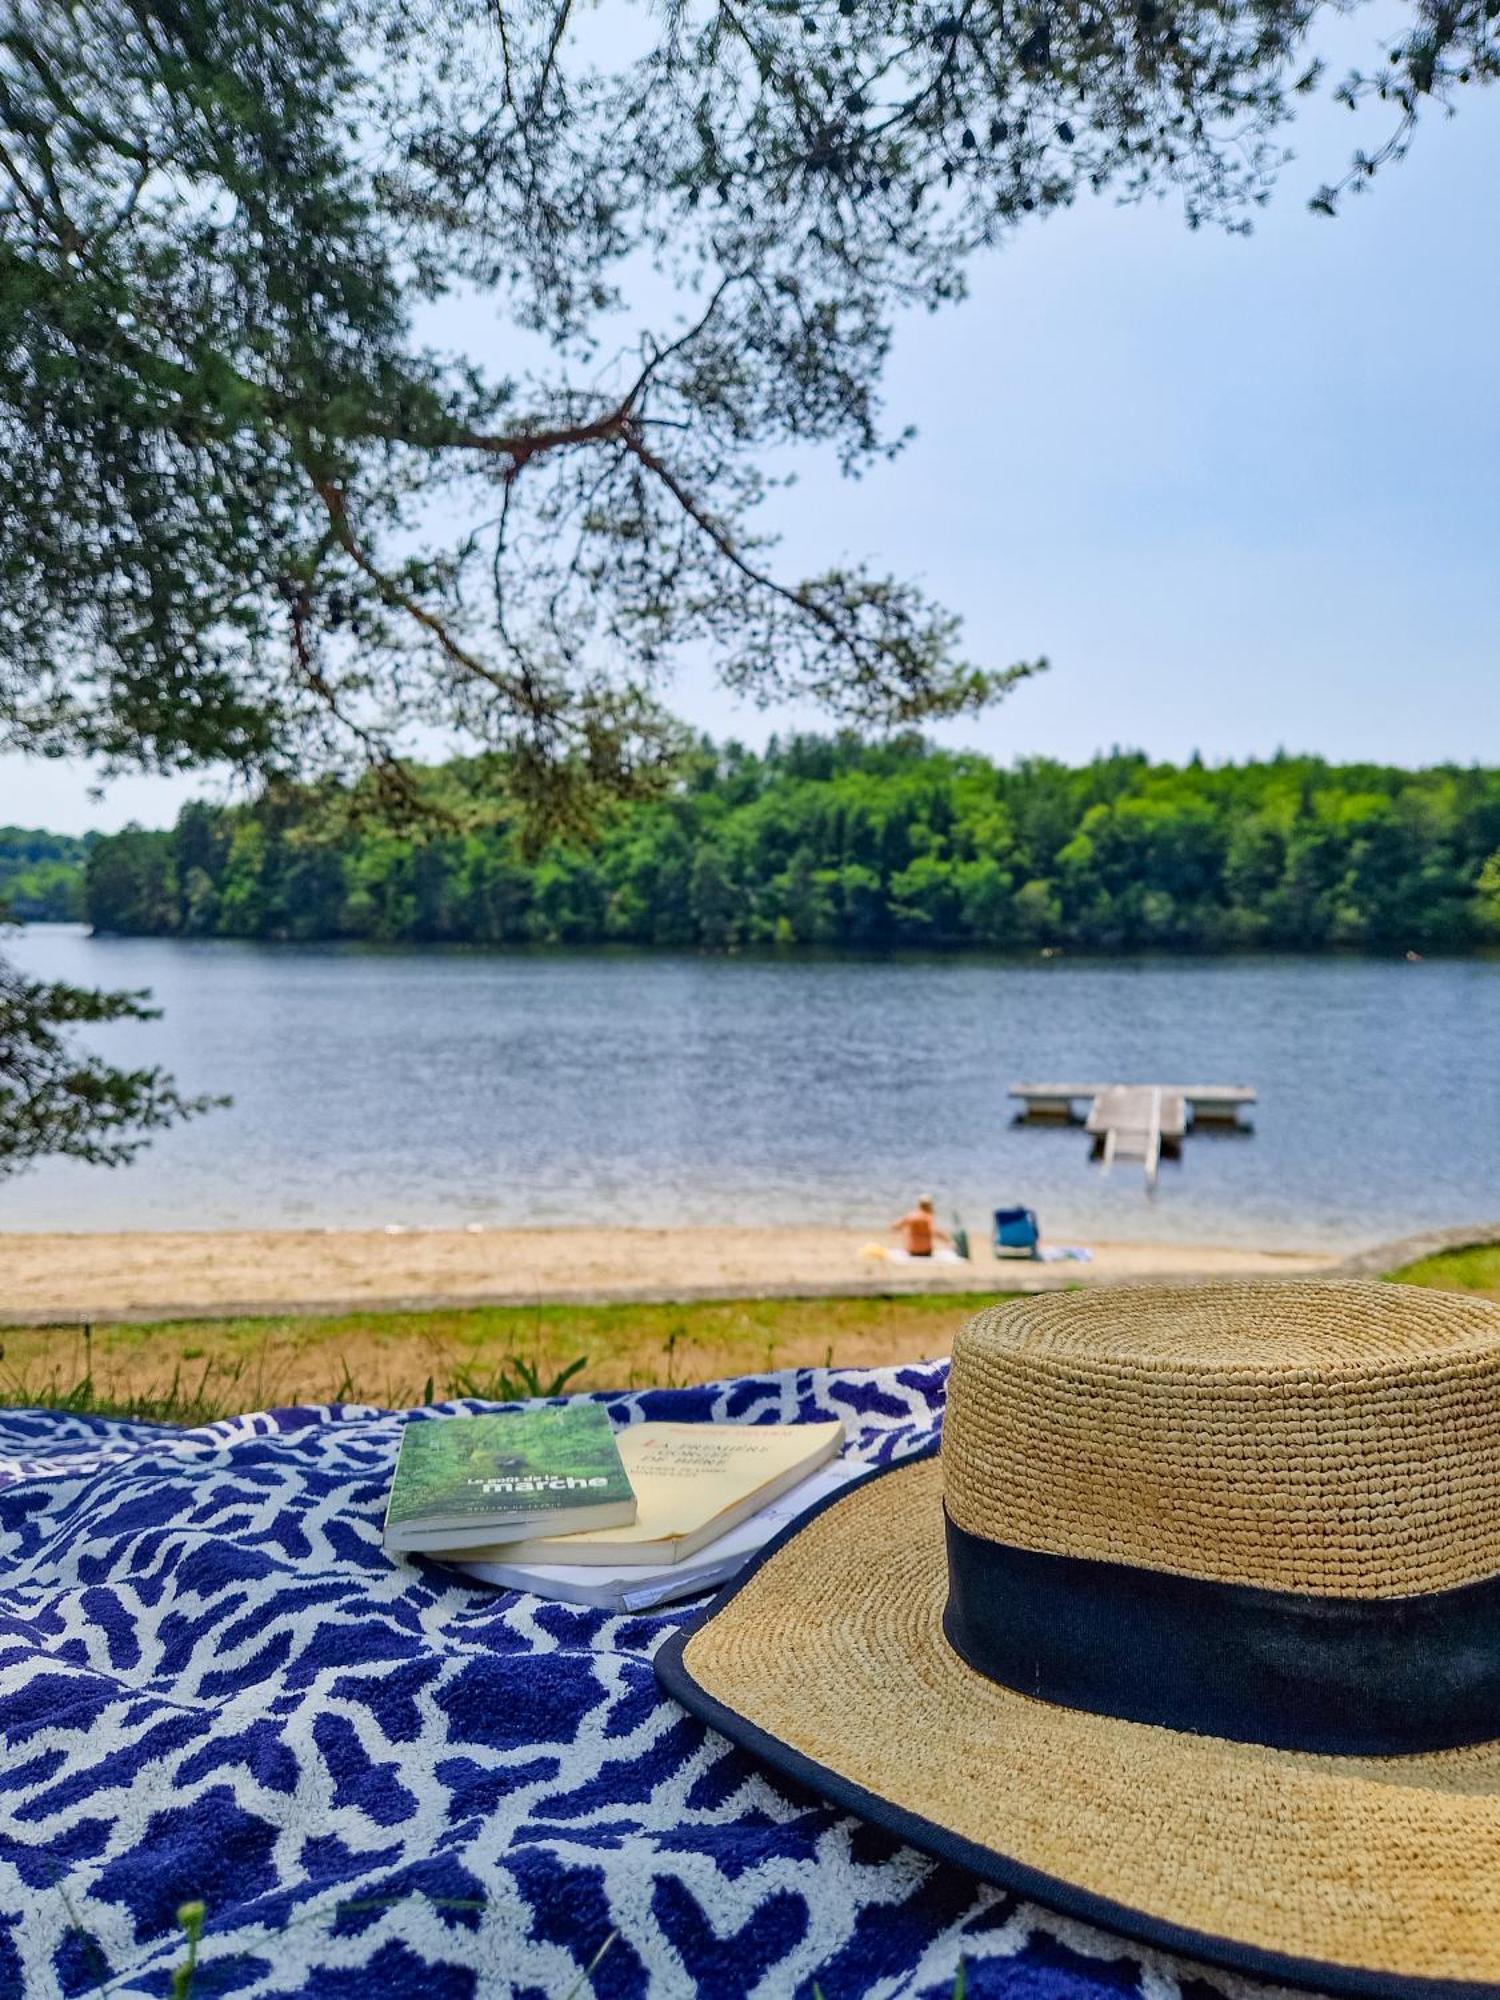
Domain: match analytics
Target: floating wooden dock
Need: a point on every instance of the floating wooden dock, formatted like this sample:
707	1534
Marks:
1135	1121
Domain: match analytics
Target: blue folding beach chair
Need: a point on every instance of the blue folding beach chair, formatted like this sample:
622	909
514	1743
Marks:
1016	1233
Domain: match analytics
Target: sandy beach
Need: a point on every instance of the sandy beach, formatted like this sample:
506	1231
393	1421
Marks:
57	1278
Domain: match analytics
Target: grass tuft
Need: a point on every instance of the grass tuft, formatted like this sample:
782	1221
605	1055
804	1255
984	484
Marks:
190	1917
516	1381
1474	1269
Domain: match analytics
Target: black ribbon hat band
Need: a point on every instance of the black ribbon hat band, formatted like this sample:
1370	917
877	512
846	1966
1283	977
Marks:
1340	1675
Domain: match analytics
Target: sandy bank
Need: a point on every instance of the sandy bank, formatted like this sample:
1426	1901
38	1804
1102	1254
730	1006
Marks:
180	1274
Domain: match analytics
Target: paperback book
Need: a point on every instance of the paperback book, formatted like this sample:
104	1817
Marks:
464	1482
692	1483
643	1586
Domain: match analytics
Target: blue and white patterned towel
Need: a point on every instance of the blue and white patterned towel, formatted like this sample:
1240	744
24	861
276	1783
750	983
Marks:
216	1687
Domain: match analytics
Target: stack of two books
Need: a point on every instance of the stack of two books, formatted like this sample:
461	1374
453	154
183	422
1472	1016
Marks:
558	1502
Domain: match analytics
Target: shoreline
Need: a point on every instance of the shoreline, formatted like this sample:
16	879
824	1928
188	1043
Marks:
62	1278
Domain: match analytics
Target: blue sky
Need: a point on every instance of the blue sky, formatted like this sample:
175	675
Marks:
1243	492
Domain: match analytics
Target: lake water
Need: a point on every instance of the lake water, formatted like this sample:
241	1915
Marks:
446	1087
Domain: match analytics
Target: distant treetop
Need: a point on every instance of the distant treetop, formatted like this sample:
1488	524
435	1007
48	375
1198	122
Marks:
824	841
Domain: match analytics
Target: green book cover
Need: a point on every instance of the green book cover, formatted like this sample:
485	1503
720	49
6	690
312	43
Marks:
460	1481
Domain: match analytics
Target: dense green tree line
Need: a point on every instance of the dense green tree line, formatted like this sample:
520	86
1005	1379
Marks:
828	842
41	875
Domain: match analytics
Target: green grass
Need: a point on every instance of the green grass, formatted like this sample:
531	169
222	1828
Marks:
1475	1269
179	1402
194	1371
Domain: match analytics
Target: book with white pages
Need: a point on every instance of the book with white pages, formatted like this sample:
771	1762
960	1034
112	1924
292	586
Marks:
644	1586
692	1483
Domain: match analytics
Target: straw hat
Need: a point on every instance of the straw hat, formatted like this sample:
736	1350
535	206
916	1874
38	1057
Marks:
1192	1631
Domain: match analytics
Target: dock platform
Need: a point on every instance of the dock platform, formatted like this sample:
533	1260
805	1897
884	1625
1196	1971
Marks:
1056	1103
1135	1121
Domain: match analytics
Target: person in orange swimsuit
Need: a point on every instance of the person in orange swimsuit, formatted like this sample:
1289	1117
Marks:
919	1231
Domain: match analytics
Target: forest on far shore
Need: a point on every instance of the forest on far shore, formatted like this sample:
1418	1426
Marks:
827	841
41	875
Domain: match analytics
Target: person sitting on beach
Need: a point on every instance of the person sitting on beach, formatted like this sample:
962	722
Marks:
918	1230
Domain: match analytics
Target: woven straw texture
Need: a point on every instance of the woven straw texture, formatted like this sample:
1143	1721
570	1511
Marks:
1342	1439
834	1647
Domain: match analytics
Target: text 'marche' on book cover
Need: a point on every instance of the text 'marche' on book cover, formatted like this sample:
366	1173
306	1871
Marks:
462	1482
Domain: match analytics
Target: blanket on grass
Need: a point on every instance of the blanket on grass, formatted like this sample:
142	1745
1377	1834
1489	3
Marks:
377	1779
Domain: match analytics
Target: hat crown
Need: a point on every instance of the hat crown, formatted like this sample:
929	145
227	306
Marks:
1337	1439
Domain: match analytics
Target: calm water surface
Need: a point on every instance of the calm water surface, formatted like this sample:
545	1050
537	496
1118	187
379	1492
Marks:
448	1087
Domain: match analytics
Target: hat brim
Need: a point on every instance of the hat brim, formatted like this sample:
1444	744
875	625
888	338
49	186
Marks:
1357	1875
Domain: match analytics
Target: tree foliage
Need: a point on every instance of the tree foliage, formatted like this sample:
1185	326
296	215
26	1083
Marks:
58	1099
252	509
825	842
41	875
